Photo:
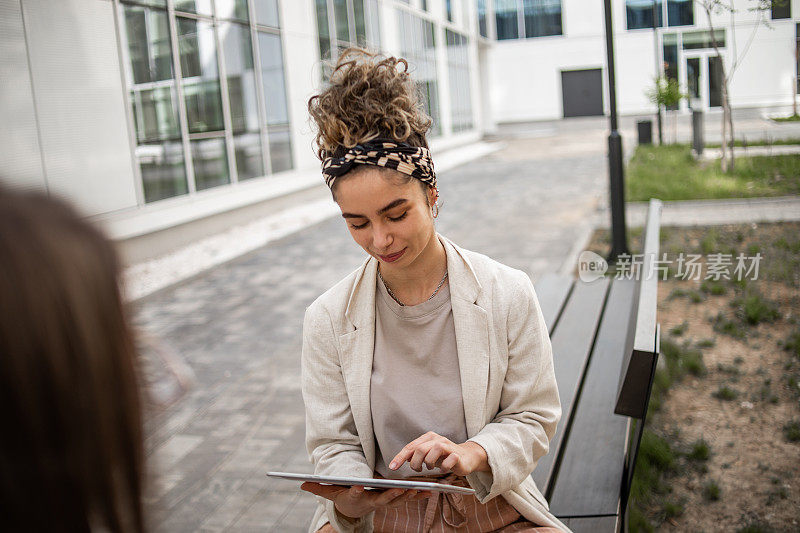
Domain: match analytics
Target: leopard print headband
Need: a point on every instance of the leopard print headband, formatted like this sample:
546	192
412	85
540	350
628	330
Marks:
414	161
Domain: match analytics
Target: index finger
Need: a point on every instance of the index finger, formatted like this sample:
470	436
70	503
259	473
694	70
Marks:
408	450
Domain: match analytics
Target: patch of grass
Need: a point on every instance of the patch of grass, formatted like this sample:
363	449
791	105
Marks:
706	343
725	393
693	363
669	172
755	526
758	142
680	329
790	118
722	324
791	430
753	308
670	510
792	343
711	491
708	244
700	451
713	287
738	360
780	493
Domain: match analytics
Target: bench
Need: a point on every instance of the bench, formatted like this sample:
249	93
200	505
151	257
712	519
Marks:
605	348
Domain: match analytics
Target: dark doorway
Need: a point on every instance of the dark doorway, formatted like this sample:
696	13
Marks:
582	92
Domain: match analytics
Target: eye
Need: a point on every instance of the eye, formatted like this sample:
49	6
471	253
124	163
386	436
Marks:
359	226
401	217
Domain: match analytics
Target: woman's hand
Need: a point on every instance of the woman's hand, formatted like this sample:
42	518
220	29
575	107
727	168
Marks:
355	502
436	451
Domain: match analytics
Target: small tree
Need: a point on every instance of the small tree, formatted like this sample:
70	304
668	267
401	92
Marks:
666	92
716	7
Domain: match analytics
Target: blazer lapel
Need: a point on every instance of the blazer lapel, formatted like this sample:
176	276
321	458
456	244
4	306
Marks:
357	346
472	336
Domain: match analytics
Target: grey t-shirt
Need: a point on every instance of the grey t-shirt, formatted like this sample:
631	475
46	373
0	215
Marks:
416	382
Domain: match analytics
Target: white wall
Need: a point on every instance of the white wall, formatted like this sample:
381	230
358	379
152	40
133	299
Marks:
525	73
80	106
20	157
301	68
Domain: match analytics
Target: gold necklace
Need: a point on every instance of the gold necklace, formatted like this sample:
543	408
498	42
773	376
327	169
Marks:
401	303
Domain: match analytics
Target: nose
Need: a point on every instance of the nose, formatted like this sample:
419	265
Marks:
382	238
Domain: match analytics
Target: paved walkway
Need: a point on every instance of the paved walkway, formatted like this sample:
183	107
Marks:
239	327
531	205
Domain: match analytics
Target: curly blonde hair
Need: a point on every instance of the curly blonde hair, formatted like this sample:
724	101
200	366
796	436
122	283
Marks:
367	97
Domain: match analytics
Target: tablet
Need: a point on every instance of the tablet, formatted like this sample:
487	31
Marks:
374	483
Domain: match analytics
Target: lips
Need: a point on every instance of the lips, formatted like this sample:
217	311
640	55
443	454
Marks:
393	257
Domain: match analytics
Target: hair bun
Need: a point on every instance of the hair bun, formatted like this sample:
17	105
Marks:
367	97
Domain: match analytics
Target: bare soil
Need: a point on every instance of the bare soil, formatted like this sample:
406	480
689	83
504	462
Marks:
755	465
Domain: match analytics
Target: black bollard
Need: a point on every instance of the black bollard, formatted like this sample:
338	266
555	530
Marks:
697	132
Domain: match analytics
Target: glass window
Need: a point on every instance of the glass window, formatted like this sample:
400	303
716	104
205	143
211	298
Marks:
418	46
680	12
797	56
449	8
482	17
639	13
542	17
210	162
159	152
340	16
148	44
201	7
506	19
243	97
272	78
201	92
361	29
670	46
458	71
693	40
266	12
781	9
162	169
232	9
322	29
714	81
155	114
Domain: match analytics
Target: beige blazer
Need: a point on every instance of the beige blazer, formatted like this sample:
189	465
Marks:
511	402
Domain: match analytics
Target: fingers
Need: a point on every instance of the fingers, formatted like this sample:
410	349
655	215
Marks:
408	450
450	462
329	492
415	452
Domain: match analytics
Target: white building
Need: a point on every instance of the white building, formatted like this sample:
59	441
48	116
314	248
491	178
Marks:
169	119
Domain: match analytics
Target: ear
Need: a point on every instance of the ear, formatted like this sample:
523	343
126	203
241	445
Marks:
432	196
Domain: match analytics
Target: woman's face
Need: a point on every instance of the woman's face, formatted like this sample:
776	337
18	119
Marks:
390	221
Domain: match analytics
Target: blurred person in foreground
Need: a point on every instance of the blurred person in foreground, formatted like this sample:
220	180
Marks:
429	361
71	454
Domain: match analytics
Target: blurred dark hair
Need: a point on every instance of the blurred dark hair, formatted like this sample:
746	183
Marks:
71	454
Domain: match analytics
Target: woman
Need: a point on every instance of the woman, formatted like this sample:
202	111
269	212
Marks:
71	454
429	359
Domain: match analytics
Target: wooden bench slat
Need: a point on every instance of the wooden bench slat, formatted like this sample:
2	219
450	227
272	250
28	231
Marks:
570	353
592	524
589	477
552	291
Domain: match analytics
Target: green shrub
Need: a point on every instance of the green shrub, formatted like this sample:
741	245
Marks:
706	343
792	344
725	393
693	363
722	324
791	430
701	451
754	309
713	287
680	329
711	491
